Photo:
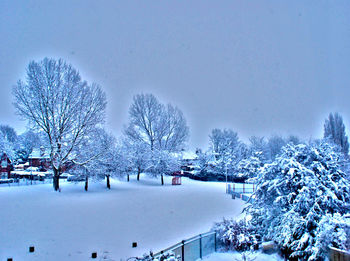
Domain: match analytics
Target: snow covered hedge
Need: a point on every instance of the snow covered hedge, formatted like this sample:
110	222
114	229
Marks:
301	201
236	235
167	256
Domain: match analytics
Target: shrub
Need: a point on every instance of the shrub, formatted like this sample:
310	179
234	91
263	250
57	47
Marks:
236	235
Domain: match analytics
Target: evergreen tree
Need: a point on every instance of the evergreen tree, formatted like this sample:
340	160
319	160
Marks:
295	193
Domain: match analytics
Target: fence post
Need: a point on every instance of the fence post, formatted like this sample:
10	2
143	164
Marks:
243	188
200	246
215	247
183	250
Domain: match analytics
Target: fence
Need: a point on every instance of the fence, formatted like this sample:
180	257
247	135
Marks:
193	248
241	191
338	255
22	182
240	188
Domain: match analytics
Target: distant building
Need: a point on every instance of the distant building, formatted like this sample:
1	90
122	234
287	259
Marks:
5	166
40	158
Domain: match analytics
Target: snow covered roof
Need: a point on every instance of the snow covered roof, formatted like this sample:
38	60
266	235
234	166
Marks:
39	154
189	155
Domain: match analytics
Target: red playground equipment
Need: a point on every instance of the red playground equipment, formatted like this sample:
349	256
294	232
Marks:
176	181
177	177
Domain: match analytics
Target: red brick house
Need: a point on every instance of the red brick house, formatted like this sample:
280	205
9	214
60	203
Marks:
39	158
5	166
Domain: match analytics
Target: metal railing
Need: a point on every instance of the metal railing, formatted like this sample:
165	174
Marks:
338	255
240	188
193	248
241	192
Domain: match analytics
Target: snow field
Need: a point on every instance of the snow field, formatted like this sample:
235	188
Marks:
72	224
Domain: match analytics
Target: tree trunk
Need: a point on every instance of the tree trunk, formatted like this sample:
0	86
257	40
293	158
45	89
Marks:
162	179
128	178
86	183
56	180
138	173
108	183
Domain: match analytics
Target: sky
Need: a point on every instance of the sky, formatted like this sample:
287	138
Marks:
257	67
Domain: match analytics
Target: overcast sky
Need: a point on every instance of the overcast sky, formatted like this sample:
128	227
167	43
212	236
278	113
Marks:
258	67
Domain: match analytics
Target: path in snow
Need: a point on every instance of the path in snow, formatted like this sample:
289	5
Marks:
72	224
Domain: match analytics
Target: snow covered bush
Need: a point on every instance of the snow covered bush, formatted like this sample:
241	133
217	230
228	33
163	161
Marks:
236	235
167	256
301	200
333	230
248	168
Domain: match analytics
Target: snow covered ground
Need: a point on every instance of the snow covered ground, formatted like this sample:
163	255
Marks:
72	224
258	256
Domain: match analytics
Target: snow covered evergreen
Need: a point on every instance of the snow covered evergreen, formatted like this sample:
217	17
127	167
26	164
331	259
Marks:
301	200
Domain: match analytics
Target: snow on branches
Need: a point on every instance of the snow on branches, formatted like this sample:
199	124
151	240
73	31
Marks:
297	195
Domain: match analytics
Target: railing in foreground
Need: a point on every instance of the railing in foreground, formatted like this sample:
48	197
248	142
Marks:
193	248
338	255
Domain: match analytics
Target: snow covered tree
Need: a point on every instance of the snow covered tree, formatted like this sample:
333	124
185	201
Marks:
248	168
138	155
258	145
163	162
95	156
274	146
159	126
29	140
53	98
334	131
294	139
9	133
154	128
8	142
227	150
294	193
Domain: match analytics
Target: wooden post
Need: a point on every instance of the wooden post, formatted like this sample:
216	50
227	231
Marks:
243	188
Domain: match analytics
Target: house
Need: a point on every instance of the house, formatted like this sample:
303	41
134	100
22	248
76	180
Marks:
5	166
189	161
39	158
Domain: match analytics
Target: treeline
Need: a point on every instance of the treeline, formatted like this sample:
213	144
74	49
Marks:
66	116
229	157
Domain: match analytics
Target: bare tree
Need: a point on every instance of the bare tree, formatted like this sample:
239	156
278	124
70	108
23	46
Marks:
157	126
161	127
54	99
9	133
